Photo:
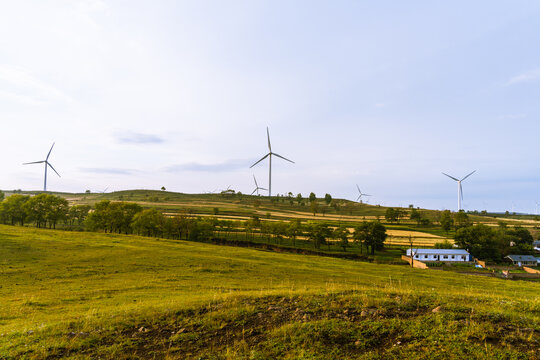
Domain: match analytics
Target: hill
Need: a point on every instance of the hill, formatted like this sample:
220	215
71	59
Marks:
89	295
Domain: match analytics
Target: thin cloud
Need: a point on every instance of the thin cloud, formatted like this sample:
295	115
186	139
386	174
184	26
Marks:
226	166
17	84
138	138
528	76
110	171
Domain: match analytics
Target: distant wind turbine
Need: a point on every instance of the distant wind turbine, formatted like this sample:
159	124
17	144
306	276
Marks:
47	163
360	194
460	188
269	156
257	187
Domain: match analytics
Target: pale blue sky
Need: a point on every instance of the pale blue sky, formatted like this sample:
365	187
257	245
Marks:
388	94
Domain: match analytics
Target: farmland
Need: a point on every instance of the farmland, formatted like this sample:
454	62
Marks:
79	294
87	295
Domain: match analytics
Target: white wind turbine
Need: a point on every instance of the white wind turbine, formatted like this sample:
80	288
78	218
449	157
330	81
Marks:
460	188
360	194
47	163
269	156
257	187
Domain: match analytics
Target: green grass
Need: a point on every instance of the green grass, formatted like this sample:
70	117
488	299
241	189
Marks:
89	295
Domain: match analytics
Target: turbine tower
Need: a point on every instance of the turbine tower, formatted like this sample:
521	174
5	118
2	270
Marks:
257	187
47	163
460	188
360	194
269	156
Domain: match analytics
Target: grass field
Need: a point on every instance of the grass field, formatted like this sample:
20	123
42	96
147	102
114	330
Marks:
88	295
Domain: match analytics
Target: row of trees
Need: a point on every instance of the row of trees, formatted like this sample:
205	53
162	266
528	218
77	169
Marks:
43	210
127	218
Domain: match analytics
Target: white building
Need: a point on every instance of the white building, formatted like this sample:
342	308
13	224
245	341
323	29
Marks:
440	255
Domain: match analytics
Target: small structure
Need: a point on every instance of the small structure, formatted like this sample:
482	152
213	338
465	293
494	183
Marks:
443	255
523	260
536	245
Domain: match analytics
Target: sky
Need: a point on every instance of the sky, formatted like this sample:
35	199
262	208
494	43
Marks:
386	95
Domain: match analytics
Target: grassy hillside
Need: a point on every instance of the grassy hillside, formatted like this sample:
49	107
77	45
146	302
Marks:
87	295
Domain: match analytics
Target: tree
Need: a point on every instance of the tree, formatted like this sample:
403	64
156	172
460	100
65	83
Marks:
342	234
372	234
163	188
444	245
517	240
13	208
35	209
461	219
294	229
56	209
112	216
312	197
398	214
148	222
390	215
480	240
314	207
78	213
413	253
2	195
318	233
446	220
416	216
299	198
327	199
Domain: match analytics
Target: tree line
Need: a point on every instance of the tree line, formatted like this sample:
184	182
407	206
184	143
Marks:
46	210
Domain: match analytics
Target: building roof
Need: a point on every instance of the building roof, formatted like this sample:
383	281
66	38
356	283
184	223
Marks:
438	251
521	257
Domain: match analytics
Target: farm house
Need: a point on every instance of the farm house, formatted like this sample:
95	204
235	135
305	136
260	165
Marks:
522	260
440	255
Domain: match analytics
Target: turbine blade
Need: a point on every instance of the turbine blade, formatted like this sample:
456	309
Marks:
358	188
34	162
262	188
461	192
451	177
468	175
359	196
268	137
47	158
264	157
256	185
48	163
279	156
366	194
254	191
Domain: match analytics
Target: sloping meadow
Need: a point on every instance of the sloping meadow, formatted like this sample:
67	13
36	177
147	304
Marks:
89	295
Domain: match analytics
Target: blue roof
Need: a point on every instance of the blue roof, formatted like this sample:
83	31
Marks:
521	257
439	251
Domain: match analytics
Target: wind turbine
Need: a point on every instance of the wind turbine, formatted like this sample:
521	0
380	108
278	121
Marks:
460	188
269	156
47	163
360	194
257	187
